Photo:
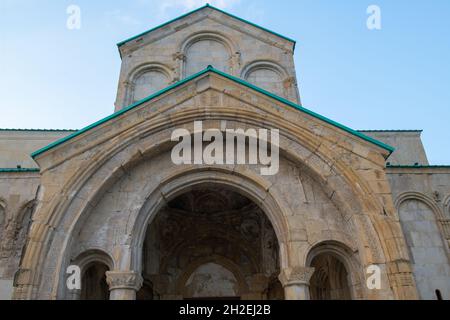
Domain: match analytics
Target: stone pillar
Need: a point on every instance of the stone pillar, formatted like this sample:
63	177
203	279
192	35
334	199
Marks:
296	282
123	285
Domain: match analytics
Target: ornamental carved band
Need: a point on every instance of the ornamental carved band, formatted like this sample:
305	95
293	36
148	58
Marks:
124	280
296	275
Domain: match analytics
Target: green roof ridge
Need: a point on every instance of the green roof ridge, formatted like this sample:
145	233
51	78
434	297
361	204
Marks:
38	130
240	81
3	170
392	130
199	9
420	166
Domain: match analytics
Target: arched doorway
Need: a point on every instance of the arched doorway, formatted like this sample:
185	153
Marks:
336	272
330	279
94	285
211	243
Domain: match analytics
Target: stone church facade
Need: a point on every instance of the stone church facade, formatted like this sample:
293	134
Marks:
109	199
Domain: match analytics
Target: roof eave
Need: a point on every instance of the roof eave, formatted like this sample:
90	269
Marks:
121	43
240	81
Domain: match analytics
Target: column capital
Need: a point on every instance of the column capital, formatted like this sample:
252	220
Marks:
296	276
124	280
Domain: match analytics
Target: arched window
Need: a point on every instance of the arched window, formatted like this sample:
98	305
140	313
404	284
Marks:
148	82
267	79
94	285
266	75
206	51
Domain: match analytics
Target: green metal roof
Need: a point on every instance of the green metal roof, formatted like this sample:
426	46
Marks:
9	170
418	166
36	130
396	130
237	80
197	10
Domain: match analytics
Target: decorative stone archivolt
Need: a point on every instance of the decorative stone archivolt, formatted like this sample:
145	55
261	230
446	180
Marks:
88	257
208	48
177	184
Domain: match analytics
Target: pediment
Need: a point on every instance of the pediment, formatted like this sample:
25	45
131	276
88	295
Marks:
205	14
210	92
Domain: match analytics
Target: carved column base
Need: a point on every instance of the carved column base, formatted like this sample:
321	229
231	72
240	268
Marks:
123	285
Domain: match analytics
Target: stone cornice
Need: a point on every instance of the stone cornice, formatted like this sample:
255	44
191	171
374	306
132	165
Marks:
418	169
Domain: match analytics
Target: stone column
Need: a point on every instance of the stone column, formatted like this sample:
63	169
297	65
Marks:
123	285
296	282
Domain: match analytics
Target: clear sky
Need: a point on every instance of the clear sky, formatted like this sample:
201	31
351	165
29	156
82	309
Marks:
394	78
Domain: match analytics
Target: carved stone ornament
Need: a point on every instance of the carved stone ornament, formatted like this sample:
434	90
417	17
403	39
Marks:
124	280
296	276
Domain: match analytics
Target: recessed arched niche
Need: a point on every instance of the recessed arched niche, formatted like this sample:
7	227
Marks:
205	50
94	285
336	272
267	76
426	245
211	280
147	81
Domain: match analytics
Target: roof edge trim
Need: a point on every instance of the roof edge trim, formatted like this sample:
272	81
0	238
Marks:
237	80
11	170
36	130
121	43
392	130
418	166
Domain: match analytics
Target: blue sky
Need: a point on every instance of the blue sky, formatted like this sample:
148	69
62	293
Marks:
394	78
